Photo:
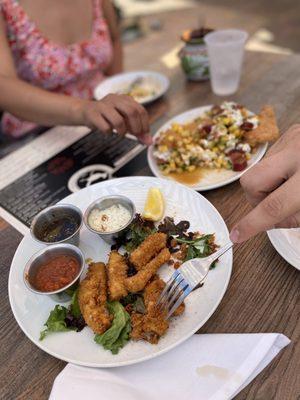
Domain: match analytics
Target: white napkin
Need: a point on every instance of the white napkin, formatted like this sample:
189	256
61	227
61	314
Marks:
205	367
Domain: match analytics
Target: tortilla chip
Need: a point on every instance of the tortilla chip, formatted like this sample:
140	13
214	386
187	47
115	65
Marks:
267	130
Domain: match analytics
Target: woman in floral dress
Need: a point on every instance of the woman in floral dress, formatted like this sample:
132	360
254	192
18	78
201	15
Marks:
53	53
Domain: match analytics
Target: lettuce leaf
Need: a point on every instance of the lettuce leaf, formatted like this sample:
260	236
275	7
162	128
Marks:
62	319
123	338
118	334
56	321
75	309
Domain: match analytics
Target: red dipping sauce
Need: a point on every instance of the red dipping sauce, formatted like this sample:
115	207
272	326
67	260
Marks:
56	274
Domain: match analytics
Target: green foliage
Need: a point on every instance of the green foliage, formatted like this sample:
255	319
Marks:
62	319
199	247
139	230
56	321
118	334
75	309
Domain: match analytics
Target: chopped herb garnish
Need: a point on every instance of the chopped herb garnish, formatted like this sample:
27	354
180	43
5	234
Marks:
200	247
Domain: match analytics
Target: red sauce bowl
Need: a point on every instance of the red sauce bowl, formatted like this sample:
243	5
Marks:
53	270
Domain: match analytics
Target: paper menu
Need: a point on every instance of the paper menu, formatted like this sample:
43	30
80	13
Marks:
57	163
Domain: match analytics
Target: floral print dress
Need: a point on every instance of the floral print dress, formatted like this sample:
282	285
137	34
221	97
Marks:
72	69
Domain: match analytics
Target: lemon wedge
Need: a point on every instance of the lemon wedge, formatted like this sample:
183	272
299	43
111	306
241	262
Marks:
155	205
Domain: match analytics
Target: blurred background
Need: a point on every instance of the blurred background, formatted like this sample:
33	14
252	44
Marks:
273	26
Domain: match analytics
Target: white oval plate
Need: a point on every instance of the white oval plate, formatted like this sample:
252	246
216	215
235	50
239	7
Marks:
32	310
214	178
287	243
117	83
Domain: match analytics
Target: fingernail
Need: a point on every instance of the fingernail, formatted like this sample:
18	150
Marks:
234	235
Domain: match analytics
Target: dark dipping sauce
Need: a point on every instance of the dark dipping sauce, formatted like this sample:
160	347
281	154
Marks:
56	274
58	230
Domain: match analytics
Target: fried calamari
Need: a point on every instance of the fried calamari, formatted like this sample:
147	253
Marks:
150	247
92	297
152	325
137	282
116	281
116	273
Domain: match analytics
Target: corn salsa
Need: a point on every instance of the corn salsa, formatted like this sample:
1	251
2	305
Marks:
213	140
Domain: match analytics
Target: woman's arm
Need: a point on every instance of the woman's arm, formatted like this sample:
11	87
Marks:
45	108
111	18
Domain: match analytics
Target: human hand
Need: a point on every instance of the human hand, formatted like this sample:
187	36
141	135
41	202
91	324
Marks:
272	187
119	112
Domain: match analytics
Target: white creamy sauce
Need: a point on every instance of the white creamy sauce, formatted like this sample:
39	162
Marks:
244	147
162	155
230	111
110	219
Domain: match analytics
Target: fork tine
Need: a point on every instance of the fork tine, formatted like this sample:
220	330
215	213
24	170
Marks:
176	293
169	283
179	301
171	292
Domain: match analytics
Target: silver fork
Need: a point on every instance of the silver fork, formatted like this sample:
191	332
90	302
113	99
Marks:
186	278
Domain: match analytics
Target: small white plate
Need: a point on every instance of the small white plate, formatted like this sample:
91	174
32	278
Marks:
214	178
32	310
120	82
287	243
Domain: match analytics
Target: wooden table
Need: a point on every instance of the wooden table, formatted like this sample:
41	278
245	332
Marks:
263	294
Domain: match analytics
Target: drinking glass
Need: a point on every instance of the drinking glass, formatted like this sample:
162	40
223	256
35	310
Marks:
225	51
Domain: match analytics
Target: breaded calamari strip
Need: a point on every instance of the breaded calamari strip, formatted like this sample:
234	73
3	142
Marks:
137	282
151	295
92	296
153	324
152	292
116	273
150	247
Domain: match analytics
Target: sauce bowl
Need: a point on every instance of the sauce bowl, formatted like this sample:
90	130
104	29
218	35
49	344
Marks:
106	202
45	255
52	214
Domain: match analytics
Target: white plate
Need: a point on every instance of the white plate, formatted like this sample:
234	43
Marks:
215	178
287	243
117	83
31	310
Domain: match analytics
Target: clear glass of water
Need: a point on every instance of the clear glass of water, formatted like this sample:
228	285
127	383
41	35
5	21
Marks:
225	51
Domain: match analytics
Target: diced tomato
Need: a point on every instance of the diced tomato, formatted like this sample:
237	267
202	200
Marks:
207	128
238	159
247	126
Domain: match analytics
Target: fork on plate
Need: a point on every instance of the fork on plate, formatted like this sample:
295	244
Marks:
186	278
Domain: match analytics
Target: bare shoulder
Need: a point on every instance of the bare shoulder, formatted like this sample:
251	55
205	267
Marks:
106	6
110	16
